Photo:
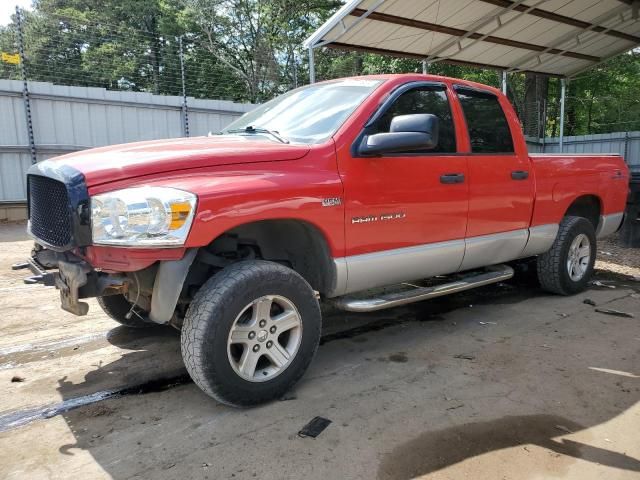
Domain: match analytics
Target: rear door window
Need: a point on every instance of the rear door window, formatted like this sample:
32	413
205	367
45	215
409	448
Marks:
488	127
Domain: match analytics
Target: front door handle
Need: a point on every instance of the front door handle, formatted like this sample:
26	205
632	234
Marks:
449	178
519	175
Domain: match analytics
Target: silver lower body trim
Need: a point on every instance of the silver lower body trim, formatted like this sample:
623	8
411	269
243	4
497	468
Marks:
377	269
495	248
541	239
342	276
388	267
609	224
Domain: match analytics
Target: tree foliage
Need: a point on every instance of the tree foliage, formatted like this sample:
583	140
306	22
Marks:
251	50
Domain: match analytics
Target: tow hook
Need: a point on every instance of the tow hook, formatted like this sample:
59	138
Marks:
75	280
40	275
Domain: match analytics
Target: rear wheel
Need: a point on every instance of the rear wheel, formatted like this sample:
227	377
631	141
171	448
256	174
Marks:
119	308
568	266
251	332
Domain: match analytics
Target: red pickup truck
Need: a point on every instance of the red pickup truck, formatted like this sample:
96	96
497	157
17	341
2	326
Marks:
324	194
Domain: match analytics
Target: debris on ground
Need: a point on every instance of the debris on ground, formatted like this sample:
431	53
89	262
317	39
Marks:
464	356
400	357
488	323
588	301
314	428
17	379
598	283
455	407
616	313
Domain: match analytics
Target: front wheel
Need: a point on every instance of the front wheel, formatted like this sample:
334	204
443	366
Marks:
568	266
251	332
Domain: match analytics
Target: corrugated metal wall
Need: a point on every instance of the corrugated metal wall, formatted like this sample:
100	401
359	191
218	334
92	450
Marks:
626	144
67	119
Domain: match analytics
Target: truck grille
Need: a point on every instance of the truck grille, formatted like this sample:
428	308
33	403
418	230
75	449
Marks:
49	211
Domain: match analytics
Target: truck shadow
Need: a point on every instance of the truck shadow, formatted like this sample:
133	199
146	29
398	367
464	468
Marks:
431	451
439	449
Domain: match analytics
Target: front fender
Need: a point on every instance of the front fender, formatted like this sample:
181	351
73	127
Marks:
307	189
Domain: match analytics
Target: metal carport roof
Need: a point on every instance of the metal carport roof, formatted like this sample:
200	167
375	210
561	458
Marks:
553	37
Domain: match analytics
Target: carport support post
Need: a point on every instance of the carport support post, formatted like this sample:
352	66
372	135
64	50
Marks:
312	67
504	82
425	67
563	88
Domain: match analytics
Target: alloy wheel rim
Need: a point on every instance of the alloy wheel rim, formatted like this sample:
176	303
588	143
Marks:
264	338
579	257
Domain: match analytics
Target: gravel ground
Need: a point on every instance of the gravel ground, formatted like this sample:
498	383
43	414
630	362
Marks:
615	258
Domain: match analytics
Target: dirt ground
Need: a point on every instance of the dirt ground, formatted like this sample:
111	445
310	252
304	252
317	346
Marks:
504	382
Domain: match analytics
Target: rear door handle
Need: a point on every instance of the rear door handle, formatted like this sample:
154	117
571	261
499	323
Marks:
519	175
449	178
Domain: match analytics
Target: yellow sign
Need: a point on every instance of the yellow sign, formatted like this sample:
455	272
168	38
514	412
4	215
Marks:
12	58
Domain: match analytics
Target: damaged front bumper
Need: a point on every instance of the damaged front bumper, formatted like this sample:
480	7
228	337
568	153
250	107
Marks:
73	277
155	290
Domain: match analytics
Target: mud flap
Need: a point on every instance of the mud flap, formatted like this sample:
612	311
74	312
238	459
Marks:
70	278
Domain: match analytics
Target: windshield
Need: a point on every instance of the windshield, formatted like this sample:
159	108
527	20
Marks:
309	114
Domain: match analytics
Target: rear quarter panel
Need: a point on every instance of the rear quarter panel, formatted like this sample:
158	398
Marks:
560	179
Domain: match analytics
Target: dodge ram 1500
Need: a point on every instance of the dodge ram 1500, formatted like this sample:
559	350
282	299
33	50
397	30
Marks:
323	194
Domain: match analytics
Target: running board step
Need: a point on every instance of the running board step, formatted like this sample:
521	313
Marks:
494	274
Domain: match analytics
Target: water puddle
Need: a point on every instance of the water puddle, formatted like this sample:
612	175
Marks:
20	418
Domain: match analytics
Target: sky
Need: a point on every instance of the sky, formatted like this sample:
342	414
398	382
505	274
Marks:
8	7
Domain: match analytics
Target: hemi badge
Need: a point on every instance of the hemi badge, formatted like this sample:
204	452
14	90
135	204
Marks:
331	202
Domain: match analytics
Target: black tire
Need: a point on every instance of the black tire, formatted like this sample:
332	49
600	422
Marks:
553	271
117	307
213	313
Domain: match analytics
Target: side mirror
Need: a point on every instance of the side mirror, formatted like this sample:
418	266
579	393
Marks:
408	132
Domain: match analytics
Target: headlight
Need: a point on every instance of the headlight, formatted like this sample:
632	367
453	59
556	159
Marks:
144	216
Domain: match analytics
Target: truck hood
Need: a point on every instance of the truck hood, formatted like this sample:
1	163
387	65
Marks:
119	162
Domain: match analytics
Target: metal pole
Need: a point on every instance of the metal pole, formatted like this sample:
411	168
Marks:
25	87
504	82
626	146
544	124
295	71
312	67
185	108
425	67
563	88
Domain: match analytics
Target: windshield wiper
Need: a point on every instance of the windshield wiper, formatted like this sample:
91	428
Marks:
253	130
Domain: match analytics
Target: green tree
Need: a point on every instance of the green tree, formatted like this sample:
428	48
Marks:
257	41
